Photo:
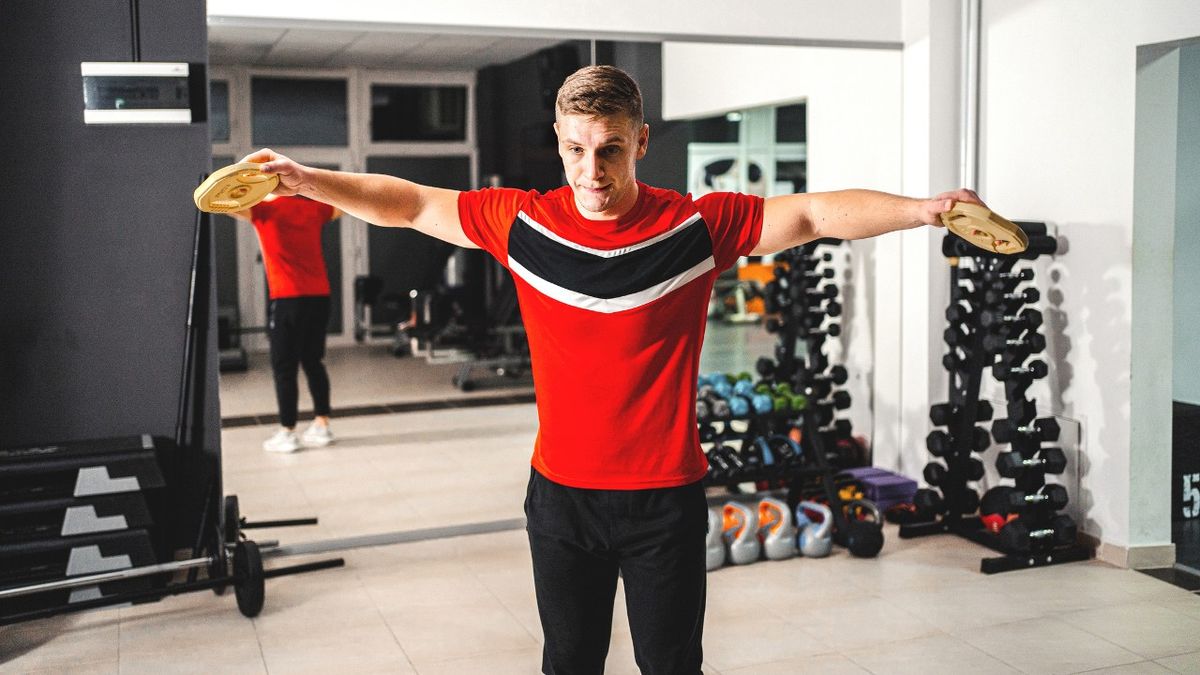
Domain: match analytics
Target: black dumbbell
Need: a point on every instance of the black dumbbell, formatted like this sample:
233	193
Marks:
929	502
832	330
1036	370
942	413
967	500
1043	429
1049	460
1027	319
975	469
841	399
1040	245
1006	280
1053	494
954	336
765	366
1030	343
718	468
941	443
831	308
956	313
743	464
953	362
1017	536
934	473
810	262
1021	411
998	296
829	291
823	414
702	410
813	275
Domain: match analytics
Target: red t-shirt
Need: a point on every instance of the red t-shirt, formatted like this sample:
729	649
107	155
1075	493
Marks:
615	314
289	232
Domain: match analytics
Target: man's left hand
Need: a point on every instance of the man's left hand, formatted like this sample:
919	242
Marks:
936	206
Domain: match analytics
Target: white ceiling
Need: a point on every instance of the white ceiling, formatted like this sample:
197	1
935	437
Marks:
313	48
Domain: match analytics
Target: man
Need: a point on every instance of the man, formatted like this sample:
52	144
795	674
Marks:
613	278
289	235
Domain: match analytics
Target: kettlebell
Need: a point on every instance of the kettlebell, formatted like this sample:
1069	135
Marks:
864	538
739	528
714	545
815	539
776	530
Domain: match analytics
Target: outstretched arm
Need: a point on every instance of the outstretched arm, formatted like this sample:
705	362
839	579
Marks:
374	198
792	220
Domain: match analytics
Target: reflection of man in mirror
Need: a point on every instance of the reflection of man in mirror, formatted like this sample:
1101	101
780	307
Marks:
614	278
723	175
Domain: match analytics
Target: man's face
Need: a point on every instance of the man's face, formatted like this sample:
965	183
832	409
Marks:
599	156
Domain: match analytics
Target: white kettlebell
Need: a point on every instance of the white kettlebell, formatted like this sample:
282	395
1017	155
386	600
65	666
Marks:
776	530
739	527
815	539
714	545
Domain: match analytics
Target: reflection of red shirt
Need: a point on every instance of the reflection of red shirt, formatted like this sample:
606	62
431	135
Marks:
615	315
289	232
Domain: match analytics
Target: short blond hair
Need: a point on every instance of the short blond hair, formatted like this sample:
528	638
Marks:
600	91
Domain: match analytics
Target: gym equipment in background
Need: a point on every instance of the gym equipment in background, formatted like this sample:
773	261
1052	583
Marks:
781	434
991	331
89	524
776	529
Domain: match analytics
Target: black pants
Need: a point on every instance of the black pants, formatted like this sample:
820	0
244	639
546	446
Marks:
580	539
297	331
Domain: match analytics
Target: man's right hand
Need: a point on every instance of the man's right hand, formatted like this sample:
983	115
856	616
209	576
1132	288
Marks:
293	177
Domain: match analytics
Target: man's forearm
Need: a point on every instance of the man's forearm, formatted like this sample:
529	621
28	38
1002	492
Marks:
858	214
373	198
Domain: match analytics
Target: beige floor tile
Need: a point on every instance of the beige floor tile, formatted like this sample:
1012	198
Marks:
95	668
1184	663
1048	645
217	624
518	662
1143	628
295	604
240	656
825	664
450	584
928	656
840	627
431	634
1142	668
331	648
59	642
963	605
1188	605
753	639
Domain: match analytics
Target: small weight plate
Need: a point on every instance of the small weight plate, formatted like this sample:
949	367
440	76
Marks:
236	187
985	229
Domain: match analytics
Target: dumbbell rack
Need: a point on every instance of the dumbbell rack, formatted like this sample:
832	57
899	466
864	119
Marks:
986	331
798	310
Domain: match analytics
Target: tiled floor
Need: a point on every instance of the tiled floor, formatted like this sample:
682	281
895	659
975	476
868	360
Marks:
466	605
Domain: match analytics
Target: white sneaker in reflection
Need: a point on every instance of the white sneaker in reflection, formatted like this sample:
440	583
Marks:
284	440
317	435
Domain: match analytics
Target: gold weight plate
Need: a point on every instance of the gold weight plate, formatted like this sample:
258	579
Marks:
236	187
985	229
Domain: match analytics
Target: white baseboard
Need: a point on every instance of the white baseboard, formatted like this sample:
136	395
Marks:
1133	557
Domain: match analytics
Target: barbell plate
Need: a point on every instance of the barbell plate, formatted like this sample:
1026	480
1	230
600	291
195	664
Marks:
248	575
984	228
236	187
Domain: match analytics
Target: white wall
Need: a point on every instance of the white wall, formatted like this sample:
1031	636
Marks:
1059	80
854	130
788	21
1187	231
